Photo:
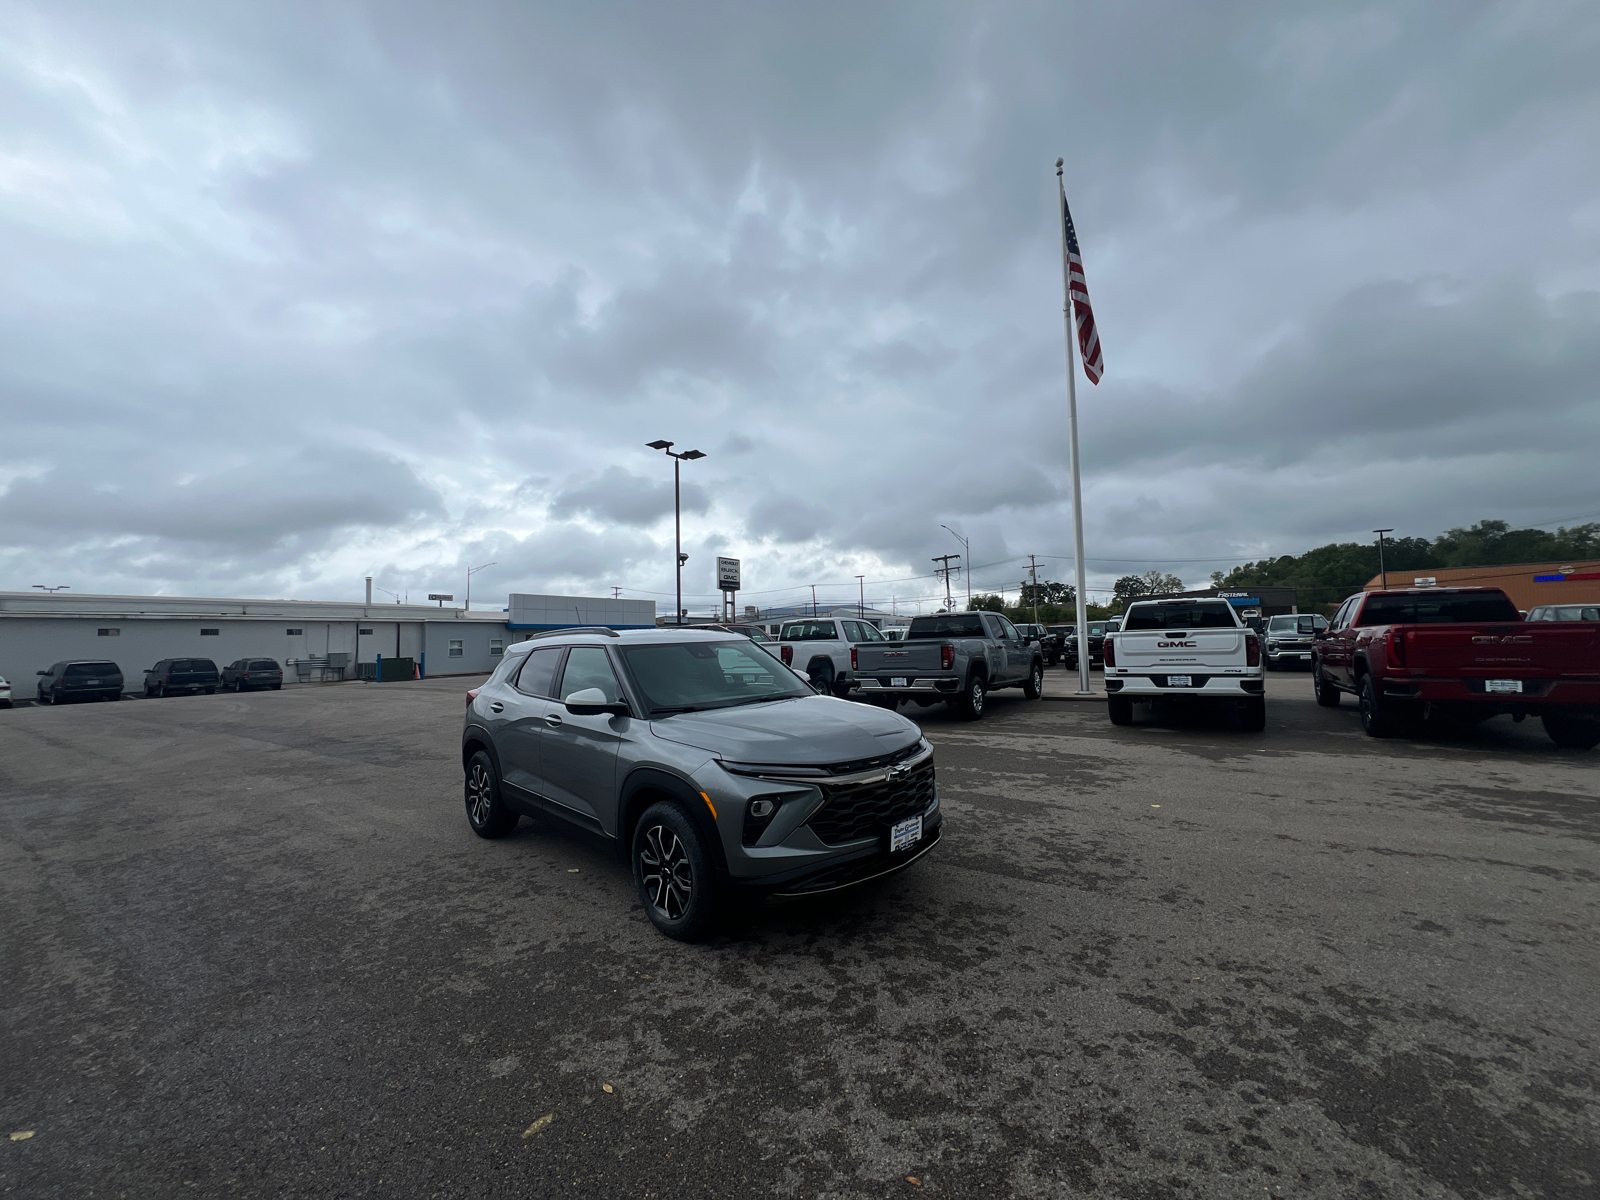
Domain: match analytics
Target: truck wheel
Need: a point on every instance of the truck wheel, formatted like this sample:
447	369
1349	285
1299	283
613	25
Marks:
1120	709
1572	733
971	703
1253	715
1378	718
1322	687
821	676
1034	688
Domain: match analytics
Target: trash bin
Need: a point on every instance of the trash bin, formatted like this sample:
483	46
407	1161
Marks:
397	669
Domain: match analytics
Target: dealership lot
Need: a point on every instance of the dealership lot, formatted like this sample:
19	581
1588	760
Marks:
251	946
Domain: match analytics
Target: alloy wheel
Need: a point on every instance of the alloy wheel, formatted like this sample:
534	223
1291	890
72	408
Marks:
668	877
480	795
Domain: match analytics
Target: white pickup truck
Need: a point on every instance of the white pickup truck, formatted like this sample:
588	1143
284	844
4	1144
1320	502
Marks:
1186	650
820	649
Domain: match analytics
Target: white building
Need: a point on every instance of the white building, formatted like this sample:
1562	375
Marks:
313	639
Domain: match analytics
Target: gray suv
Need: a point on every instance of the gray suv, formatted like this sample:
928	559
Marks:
714	770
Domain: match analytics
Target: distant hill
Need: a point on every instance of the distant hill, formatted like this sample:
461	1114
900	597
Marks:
1326	575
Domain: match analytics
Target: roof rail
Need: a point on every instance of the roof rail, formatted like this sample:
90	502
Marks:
544	633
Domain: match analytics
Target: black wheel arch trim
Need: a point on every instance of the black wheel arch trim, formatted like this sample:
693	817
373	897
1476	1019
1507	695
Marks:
655	779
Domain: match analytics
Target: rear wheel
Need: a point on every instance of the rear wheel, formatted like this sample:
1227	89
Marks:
821	676
1322	687
1253	715
1572	733
1034	688
486	810
972	699
1378	717
1120	710
673	874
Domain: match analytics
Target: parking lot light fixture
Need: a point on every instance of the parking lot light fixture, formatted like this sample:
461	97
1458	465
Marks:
471	571
678	458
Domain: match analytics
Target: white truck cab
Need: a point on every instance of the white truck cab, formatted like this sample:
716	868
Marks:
1186	650
820	649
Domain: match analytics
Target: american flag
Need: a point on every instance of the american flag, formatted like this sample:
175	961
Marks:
1088	338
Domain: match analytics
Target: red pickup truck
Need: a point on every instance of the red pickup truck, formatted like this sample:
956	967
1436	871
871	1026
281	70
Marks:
1459	652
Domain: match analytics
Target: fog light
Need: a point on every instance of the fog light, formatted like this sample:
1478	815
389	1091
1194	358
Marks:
758	814
761	809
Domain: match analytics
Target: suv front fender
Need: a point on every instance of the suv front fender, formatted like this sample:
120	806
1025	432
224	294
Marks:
637	793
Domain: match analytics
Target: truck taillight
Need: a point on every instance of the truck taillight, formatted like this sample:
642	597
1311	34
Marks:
788	655
947	657
1109	649
1397	648
855	663
1252	650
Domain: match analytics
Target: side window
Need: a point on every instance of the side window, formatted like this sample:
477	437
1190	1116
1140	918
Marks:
991	627
852	632
1008	630
1342	618
539	671
588	667
870	633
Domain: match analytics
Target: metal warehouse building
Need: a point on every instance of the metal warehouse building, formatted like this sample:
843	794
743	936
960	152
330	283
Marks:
313	639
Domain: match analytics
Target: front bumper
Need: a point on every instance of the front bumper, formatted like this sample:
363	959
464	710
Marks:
842	870
1203	687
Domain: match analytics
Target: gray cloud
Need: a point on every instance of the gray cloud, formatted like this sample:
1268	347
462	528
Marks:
628	499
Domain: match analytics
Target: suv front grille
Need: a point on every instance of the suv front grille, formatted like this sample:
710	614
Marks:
860	810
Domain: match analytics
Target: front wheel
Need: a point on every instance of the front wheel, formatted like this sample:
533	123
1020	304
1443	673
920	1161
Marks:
972	699
486	809
1034	688
1572	733
1322	687
673	874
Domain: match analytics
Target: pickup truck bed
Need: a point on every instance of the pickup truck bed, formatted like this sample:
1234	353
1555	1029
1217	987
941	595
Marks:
1465	653
955	657
1185	650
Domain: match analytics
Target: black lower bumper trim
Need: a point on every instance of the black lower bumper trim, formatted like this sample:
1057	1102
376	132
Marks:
837	873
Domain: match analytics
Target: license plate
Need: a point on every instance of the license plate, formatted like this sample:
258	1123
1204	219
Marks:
905	834
1502	685
1178	681
897	681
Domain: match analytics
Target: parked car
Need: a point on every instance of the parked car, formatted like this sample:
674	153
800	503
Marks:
1564	612
1290	638
955	657
80	679
174	676
822	649
243	674
1413	653
1190	651
5	692
714	771
1097	641
1049	643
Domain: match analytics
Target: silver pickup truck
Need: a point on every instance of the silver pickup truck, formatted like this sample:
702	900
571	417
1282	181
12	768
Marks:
955	657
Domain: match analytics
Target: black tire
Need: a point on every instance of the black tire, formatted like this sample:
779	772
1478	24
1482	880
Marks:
971	701
1322	687
1378	717
1253	715
1120	710
161	690
211	691
486	808
672	874
1034	688
1572	733
277	687
821	677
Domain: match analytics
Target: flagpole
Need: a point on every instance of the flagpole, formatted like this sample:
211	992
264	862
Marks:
1072	421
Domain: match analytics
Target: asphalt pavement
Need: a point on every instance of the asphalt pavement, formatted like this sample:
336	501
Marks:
249	947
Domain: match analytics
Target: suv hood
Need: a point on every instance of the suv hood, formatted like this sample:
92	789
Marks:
807	731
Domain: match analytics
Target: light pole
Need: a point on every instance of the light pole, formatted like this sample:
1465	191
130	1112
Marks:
677	512
60	587
471	571
1383	574
387	592
966	559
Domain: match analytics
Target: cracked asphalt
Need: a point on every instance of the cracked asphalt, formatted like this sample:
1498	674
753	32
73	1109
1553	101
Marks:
250	947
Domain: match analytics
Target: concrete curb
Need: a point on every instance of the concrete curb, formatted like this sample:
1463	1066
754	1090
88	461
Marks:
1073	696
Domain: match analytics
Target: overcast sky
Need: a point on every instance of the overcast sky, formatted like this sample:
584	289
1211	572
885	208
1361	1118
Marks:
290	295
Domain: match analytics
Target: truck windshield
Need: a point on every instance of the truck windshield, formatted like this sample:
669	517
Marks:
808	631
691	676
951	626
1468	609
1178	616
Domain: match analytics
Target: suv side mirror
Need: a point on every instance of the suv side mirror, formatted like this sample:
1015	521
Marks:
592	702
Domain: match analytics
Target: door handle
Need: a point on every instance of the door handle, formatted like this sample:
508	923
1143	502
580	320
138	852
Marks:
497	707
552	720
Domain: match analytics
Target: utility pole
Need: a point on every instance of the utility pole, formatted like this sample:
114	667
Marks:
616	592
861	608
966	545
1033	570
1381	572
813	602
945	570
677	512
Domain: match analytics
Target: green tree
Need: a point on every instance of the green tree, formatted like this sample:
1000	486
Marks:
987	602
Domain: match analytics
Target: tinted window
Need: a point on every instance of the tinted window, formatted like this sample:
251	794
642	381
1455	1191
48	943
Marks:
1572	612
539	672
946	626
588	667
263	664
79	670
1201	615
708	675
809	631
1438	610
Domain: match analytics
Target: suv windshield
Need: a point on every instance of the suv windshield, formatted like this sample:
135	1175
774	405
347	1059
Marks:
1204	615
689	676
1438	610
954	625
809	631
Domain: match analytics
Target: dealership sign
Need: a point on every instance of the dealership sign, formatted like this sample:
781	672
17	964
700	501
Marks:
727	574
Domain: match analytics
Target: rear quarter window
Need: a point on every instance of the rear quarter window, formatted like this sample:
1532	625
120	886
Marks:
1202	615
